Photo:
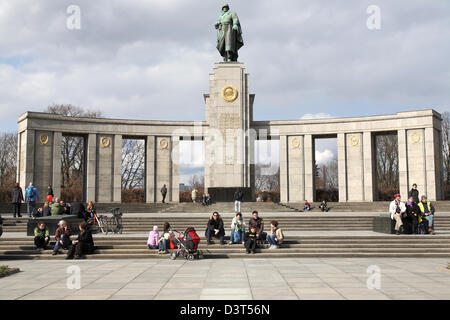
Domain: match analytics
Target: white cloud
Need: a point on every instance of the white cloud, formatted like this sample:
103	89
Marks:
322	157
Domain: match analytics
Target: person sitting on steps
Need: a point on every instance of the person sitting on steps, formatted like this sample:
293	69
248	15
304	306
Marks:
41	236
84	243
324	206
250	240
215	228
275	236
258	223
427	211
237	229
412	216
62	237
164	241
396	209
306	206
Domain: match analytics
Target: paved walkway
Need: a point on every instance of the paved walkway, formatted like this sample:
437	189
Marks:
310	278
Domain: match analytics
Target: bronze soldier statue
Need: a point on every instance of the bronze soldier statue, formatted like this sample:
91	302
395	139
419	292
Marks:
229	37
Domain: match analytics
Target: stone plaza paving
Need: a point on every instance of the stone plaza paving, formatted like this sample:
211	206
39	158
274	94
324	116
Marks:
229	279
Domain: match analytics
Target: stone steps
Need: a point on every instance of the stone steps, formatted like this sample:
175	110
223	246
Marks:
128	247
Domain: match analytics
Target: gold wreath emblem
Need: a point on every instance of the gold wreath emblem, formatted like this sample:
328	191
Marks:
43	139
354	140
105	142
163	144
229	93
415	137
295	143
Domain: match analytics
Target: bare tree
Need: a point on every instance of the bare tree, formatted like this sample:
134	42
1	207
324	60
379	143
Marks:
133	164
386	147
268	182
8	156
197	181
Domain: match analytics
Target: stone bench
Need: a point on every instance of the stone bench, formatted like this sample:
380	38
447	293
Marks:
384	224
51	223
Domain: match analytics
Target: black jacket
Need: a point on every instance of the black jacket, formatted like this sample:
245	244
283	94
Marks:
239	195
216	224
248	236
17	195
86	239
410	210
415	194
77	208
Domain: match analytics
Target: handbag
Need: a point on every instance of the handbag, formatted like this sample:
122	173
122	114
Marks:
237	236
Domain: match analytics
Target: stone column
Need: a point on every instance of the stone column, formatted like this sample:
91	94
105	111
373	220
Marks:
432	165
296	161
56	176
26	157
309	167
163	167
354	167
43	162
342	167
284	171
415	149
175	160
91	167
368	166
117	169
402	163
150	170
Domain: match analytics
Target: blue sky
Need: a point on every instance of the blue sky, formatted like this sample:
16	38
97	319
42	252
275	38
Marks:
150	59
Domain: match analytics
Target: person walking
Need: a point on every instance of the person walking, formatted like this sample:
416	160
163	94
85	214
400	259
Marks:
164	193
397	208
17	198
238	198
414	193
31	196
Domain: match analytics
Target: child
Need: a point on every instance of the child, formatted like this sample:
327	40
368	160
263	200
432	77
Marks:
250	241
153	238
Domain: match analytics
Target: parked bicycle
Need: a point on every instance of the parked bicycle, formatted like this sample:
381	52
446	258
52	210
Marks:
107	224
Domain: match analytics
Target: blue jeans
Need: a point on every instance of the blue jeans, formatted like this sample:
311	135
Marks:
430	219
271	239
58	244
210	234
306	208
241	233
164	245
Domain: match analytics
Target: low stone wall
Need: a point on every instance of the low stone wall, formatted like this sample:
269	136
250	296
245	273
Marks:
52	224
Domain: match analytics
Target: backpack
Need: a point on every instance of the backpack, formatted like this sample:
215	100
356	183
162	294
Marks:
30	192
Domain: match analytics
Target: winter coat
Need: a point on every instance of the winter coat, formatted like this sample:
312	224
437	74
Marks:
239	195
35	194
393	208
41	233
216	224
17	195
278	234
415	194
153	238
56	209
60	231
257	223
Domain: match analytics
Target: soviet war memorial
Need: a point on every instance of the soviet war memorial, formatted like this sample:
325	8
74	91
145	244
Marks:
253	151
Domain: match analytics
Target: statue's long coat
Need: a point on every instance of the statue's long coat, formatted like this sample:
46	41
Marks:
227	38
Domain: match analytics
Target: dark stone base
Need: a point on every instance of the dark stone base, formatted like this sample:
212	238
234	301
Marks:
227	194
52	224
384	224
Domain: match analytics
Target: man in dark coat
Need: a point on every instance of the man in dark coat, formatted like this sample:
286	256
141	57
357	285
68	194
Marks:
83	245
215	228
17	198
164	193
258	223
414	193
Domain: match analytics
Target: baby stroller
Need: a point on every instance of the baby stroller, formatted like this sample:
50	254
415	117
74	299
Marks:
185	244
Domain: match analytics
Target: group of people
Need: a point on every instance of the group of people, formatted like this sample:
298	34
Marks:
83	244
53	206
251	237
205	198
413	217
215	228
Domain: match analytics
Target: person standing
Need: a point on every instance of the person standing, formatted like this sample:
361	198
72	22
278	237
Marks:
238	197
164	193
31	196
194	195
396	208
50	191
414	193
17	198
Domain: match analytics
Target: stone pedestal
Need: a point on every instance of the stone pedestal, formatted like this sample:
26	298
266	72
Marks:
228	142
